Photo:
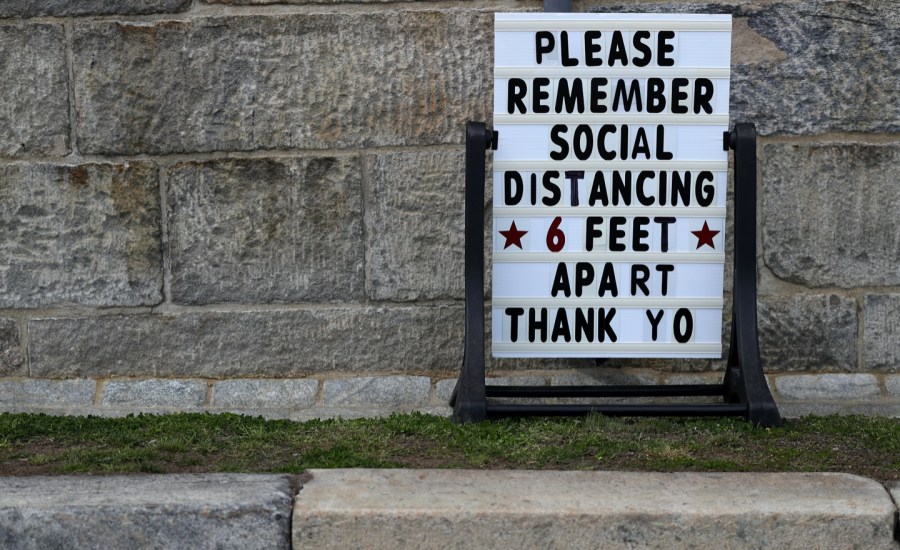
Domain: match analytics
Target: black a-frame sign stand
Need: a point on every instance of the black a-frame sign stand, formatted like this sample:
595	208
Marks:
743	391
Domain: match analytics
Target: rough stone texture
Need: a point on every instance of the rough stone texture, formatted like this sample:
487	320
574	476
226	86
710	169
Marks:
396	391
15	394
264	394
881	333
828	386
415	228
807	332
267	230
892	383
798	409
832	67
86	235
269	343
62	8
291	81
11	360
152	394
207	511
517	509
605	377
34	111
828	213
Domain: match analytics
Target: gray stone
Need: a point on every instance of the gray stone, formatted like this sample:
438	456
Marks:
415	228
394	391
443	390
11	361
154	394
892	383
798	409
206	511
534	509
63	8
266	230
29	393
288	343
286	394
824	65
828	213
828	386
604	377
807	332
881	333
86	235
34	102
317	80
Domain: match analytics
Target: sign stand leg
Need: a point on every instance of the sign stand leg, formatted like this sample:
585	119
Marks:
745	381
744	390
468	398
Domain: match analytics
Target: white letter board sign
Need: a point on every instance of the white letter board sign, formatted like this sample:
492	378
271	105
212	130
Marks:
609	184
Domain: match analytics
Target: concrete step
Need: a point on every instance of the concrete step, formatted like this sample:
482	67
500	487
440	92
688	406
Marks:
444	509
213	511
396	509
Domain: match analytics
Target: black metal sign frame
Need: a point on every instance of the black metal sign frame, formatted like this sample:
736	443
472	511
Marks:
743	391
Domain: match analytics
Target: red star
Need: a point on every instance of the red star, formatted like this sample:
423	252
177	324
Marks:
513	236
705	236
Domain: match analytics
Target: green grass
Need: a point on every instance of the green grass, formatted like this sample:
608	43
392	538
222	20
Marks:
39	444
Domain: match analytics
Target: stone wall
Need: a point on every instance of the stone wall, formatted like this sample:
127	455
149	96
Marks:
257	206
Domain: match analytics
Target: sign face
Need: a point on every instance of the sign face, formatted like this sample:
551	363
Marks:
609	184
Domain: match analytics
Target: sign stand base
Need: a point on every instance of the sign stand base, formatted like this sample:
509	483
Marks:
743	392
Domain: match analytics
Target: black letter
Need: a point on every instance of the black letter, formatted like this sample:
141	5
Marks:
639	280
664	222
538	95
539	48
605	322
557	139
584	276
591	47
616	233
514	313
663	47
591	232
512	188
703	93
683	336
708	194
654	323
561	281
617	50
574	176
553	187
637	40
516	90
535	325
564	43
638	234
561	326
665	269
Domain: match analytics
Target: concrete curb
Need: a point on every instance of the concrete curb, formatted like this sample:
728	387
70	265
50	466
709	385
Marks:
361	508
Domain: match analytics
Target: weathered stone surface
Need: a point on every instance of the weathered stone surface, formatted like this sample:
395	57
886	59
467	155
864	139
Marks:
892	383
86	234
395	391
34	104
49	393
268	343
807	332
605	377
443	389
11	360
286	82
62	8
206	511
152	394
881	332
266	230
415	228
828	386
535	509
829	212
821	65
285	394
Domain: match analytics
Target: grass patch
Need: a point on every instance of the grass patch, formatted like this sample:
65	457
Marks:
40	444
